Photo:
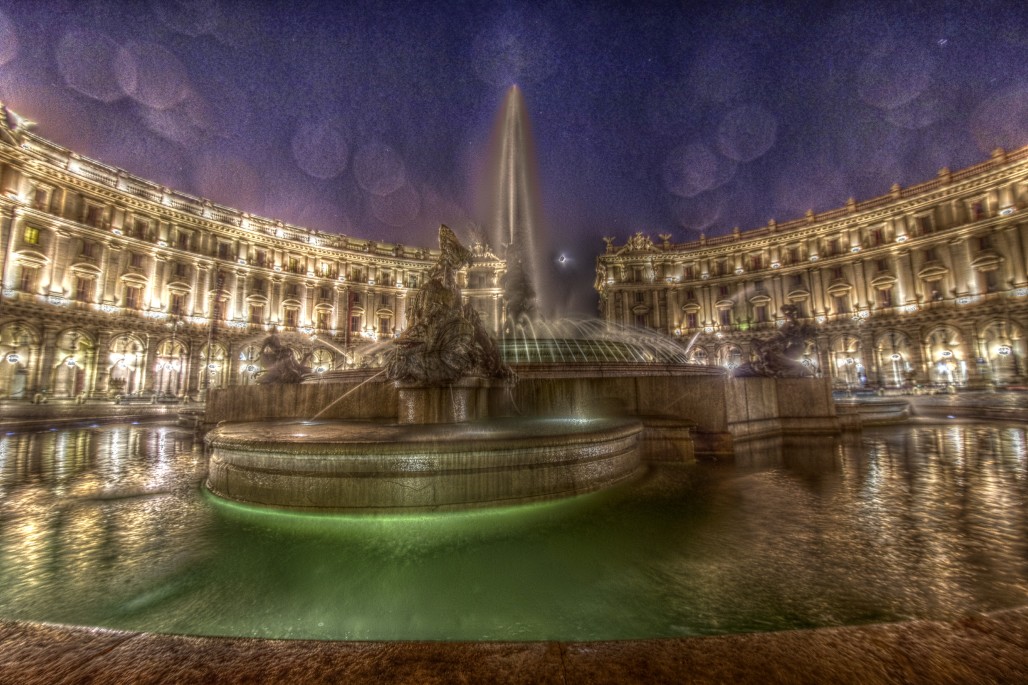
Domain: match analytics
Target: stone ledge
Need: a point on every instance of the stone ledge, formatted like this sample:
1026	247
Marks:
985	648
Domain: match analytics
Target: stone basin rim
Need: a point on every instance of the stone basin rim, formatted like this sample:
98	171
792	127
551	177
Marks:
325	437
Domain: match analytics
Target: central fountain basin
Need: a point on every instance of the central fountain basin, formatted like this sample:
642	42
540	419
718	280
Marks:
379	467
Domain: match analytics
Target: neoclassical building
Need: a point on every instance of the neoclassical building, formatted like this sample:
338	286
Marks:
114	285
925	285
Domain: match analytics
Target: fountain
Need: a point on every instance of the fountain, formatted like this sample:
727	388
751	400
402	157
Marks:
444	451
448	423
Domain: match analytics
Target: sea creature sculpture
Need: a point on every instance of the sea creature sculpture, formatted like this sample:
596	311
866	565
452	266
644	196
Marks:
280	364
781	355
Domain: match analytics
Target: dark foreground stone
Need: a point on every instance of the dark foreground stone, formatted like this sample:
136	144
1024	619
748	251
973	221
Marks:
989	648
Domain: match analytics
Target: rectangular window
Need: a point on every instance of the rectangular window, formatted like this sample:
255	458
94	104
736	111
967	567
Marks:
640	297
991	281
294	265
259	286
41	200
385	326
182	240
925	224
885	297
691	320
985	242
690	294
177	305
321	318
725	317
760	313
135	260
31	235
882	264
355	324
93	214
89	249
325	293
841	304
140	227
690	273
133	296
292	317
83	289
929	255
796	281
412	281
836	272
801	309
262	258
722	291
181	270
256	313
27	278
794	255
640	320
223	251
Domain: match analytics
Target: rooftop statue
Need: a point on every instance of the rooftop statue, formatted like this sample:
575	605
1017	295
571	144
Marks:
780	356
445	339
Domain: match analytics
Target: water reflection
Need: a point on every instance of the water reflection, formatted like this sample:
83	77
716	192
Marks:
108	526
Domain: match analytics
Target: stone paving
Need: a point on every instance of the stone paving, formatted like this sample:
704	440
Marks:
989	648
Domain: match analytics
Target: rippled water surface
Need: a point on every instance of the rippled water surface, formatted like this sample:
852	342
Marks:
109	526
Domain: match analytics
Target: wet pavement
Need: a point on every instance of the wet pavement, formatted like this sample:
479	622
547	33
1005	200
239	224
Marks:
978	648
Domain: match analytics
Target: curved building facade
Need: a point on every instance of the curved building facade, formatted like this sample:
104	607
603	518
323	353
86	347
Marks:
113	285
924	286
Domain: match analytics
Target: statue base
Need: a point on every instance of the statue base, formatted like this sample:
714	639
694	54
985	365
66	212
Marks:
462	401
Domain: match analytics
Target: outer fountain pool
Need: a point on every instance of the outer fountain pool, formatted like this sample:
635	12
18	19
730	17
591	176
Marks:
109	526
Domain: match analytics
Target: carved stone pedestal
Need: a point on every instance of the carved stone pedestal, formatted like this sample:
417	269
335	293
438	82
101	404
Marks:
463	400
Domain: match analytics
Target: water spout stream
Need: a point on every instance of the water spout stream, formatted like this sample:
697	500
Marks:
345	394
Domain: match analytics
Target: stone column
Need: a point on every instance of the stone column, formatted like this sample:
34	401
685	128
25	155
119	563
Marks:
147	374
962	272
193	364
903	268
817	288
859	283
110	273
1013	255
102	362
48	358
58	262
275	301
7	266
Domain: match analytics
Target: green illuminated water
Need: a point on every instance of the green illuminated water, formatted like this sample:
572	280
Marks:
109	526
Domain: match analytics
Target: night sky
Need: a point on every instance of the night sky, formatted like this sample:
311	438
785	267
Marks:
375	119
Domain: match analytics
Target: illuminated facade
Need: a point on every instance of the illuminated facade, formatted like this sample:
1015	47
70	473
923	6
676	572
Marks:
925	285
113	285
